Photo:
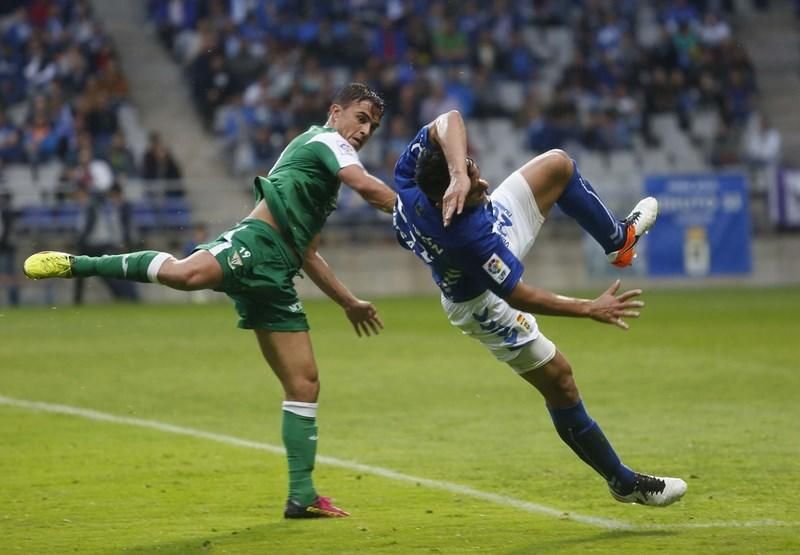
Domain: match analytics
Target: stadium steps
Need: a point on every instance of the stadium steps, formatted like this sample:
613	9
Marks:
772	41
160	97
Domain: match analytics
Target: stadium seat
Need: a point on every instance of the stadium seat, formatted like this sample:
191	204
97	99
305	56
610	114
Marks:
623	163
511	95
66	216
655	160
36	219
175	213
143	216
704	125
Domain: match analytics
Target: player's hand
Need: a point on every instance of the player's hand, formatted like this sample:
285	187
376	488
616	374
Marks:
611	308
364	317
454	197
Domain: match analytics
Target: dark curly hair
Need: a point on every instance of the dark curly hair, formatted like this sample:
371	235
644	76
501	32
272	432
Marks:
356	92
431	174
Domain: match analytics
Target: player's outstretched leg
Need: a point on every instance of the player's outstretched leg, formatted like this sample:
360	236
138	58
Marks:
142	266
638	222
655	491
581	202
583	435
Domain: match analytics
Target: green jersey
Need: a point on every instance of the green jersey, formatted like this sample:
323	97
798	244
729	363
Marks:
302	187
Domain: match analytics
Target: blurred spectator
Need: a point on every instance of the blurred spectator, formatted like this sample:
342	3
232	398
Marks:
485	96
519	60
762	152
389	41
714	31
10	141
480	58
102	122
680	12
449	43
396	137
39	137
737	99
12	80
160	166
438	101
8	267
605	132
40	68
486	54
91	174
104	227
686	45
546	132
264	152
113	83
120	157
762	143
726	147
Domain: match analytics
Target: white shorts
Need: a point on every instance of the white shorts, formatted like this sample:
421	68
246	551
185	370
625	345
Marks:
518	218
505	331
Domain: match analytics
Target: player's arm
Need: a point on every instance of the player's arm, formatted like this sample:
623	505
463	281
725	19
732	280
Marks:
373	190
449	132
609	307
362	314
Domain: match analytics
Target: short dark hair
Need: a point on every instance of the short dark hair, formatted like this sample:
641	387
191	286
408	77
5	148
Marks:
356	92
432	174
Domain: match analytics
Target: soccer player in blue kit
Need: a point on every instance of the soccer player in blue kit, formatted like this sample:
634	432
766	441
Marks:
473	243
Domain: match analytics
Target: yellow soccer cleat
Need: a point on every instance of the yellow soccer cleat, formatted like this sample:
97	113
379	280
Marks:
48	264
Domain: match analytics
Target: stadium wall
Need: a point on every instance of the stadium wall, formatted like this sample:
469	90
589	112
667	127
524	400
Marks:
382	270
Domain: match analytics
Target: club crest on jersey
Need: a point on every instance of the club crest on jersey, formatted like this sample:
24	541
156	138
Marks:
234	260
496	268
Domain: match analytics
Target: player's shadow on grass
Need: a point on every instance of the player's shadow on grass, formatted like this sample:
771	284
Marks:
260	539
568	545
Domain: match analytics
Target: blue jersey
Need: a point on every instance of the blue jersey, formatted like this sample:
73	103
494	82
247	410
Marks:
468	257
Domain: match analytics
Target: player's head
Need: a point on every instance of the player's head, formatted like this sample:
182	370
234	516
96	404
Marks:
433	177
356	113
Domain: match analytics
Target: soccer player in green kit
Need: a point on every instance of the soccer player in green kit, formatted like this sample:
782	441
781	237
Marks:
255	262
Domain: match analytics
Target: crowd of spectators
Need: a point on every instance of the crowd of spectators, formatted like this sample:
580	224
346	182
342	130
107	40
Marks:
260	71
64	157
61	91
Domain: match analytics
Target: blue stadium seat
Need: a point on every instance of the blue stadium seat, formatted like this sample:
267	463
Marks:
65	217
144	216
36	219
175	214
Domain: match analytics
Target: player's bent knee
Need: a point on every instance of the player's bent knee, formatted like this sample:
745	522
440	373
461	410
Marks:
558	153
559	164
302	388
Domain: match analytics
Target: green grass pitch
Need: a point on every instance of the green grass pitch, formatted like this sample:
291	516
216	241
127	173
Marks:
704	386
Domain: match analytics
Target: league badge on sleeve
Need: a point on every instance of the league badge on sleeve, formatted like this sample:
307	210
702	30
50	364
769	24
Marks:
496	268
345	148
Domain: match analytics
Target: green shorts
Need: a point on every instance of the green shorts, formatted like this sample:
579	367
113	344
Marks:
258	271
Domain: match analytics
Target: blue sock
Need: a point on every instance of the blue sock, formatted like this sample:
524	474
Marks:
586	439
580	202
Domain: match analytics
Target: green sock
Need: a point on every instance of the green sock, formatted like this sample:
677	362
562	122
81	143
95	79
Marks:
300	440
132	266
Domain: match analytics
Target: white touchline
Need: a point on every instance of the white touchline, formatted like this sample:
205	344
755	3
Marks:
383	472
